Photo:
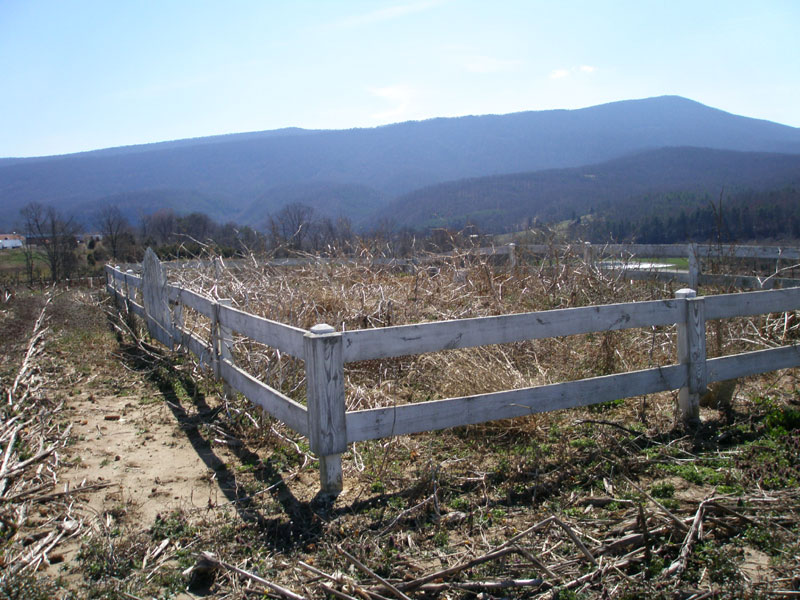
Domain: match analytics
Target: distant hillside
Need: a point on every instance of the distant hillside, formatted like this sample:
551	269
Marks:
233	172
626	186
331	200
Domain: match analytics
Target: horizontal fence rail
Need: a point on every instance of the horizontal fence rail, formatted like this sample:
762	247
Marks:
215	353
400	340
330	428
453	412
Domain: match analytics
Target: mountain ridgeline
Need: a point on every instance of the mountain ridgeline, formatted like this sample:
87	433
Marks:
496	171
631	187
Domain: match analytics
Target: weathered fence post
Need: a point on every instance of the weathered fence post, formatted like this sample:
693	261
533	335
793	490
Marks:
327	426
221	343
692	353
111	285
155	299
127	293
512	254
694	266
176	308
587	254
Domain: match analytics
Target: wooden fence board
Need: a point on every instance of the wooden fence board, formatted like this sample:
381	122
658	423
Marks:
747	304
453	412
464	333
665	275
277	335
118	297
642	250
136	309
193	300
197	346
753	363
270	400
763	252
132	281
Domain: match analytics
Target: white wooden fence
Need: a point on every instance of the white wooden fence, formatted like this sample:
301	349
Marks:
330	428
625	258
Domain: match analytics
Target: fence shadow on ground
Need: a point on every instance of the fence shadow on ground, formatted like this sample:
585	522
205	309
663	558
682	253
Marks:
299	522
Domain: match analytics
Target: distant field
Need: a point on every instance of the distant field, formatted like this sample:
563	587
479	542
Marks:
12	264
677	262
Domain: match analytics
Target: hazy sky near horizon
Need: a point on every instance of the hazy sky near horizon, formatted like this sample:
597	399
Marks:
85	74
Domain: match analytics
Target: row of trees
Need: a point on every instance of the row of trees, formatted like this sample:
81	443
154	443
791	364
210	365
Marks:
741	217
52	237
55	235
55	240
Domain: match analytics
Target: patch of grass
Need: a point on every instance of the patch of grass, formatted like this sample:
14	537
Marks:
583	443
780	421
104	557
31	587
662	489
696	474
174	526
719	562
773	462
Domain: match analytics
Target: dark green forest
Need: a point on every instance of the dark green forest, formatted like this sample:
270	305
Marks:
742	217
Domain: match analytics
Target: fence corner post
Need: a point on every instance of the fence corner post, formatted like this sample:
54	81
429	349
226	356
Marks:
588	255
327	424
692	353
512	254
221	343
694	266
155	299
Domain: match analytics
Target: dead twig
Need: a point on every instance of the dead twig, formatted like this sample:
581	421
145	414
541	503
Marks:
372	573
450	571
274	587
681	525
405	513
679	565
576	540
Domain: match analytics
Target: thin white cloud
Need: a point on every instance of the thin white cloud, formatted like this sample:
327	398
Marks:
559	73
563	73
386	14
400	96
487	64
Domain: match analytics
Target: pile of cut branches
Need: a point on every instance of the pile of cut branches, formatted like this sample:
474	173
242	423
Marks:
31	436
645	551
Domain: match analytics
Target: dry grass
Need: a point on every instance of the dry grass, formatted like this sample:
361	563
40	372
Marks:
356	296
611	501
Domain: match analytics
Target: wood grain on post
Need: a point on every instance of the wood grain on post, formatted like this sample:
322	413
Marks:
155	299
327	426
692	353
694	266
221	343
512	254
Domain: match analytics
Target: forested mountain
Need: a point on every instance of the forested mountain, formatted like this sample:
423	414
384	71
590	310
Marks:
244	177
656	181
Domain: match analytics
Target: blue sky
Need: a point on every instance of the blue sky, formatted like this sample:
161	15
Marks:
84	74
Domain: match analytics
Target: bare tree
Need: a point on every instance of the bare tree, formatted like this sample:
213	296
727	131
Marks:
159	227
113	225
197	226
56	235
291	225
